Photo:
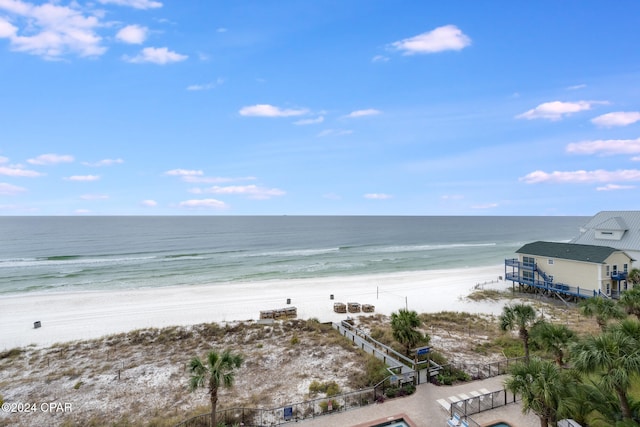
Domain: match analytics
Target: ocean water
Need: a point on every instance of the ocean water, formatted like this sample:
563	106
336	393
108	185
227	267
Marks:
88	253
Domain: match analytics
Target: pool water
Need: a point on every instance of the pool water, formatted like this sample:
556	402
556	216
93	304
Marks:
500	425
395	423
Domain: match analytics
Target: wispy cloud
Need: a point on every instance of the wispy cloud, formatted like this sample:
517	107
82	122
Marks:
199	179
615	187
377	196
136	4
17	171
251	191
156	55
51	159
576	87
104	162
334	132
184	172
618	118
206	86
50	30
10	190
94	197
485	206
582	176
203	204
82	178
149	203
303	122
448	37
380	58
132	34
605	147
363	113
557	110
267	110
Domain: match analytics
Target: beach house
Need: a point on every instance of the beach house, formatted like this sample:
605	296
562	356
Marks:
569	270
616	229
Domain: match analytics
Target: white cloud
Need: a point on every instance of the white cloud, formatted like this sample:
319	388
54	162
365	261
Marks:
206	86
252	191
51	159
556	110
83	178
576	87
149	203
380	58
267	110
136	4
156	55
104	162
94	197
582	176
614	187
635	159
10	190
132	34
377	196
51	30
214	179
332	196
452	197
82	211
618	118
18	172
605	147
203	203
4	159
335	132
363	113
319	119
485	206
448	37
184	172
221	30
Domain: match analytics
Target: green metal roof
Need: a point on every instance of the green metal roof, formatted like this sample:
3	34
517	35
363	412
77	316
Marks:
572	251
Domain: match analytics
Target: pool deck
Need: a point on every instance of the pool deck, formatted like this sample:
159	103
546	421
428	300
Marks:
424	410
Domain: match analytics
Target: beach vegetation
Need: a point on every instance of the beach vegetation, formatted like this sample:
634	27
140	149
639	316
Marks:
404	326
602	309
11	354
490	294
634	276
218	370
630	301
329	405
554	338
329	388
521	317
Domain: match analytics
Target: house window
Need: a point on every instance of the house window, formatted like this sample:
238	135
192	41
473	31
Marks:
608	289
550	261
625	268
527	275
608	271
615	270
528	261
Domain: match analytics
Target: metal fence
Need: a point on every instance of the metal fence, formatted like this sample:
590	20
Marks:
290	413
483	402
481	371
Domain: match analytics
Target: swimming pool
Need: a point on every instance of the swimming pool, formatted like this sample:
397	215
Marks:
500	424
394	423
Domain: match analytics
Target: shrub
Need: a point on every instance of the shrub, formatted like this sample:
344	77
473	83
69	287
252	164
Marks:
324	405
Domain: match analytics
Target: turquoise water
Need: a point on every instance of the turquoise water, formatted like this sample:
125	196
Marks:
500	425
87	253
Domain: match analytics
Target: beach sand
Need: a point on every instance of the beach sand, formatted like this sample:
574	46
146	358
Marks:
69	316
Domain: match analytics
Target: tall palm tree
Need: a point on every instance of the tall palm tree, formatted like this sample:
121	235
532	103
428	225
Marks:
403	326
630	301
554	338
614	357
217	371
541	384
603	309
520	317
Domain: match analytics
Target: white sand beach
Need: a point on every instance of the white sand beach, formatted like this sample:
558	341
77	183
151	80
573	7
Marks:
72	316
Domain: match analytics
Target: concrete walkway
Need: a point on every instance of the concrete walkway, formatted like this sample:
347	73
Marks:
424	410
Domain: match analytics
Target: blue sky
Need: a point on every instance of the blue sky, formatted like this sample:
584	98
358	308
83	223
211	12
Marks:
153	107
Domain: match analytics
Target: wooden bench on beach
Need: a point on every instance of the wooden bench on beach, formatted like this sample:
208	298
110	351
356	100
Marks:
353	307
368	308
339	307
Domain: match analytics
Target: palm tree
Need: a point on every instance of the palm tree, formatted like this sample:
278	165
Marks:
520	317
603	309
554	338
634	276
630	301
614	357
218	371
403	325
542	386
